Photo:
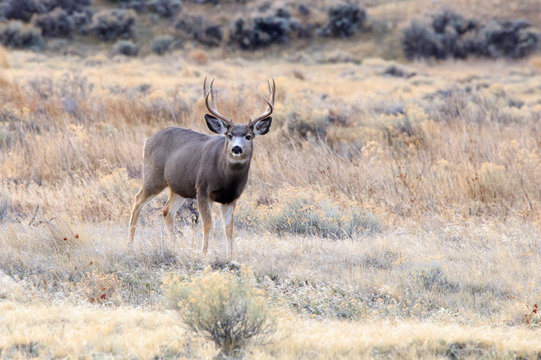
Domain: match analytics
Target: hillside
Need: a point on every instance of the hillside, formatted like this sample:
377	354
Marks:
240	28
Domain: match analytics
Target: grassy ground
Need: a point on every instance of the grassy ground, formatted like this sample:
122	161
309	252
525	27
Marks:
420	181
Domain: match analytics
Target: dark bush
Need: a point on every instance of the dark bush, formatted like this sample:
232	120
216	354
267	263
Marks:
126	47
448	35
70	6
418	41
161	44
15	34
303	9
397	71
164	8
258	32
201	30
344	21
56	23
110	25
461	25
137	5
21	9
451	35
25	9
509	38
81	19
217	2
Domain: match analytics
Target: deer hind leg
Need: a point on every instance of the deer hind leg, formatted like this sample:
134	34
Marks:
140	199
205	210
174	203
227	216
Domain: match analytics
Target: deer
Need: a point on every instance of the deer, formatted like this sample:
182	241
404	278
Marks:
208	168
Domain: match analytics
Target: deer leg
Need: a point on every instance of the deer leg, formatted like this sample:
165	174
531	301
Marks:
169	211
140	199
227	216
205	210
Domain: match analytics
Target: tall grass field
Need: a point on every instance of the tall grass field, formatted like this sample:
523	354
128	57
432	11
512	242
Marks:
392	211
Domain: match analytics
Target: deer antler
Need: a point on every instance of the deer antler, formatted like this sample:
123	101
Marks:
270	104
212	109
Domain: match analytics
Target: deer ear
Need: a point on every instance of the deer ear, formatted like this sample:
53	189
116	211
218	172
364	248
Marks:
215	125
262	126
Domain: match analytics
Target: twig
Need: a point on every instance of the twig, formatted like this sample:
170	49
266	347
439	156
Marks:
34	217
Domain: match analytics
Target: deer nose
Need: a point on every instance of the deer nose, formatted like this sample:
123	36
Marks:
237	150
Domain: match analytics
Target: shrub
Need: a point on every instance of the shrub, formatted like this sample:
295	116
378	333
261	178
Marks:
451	35
397	71
508	38
164	8
431	276
4	207
217	2
343	21
56	23
223	307
81	19
25	9
306	215
68	5
110	25
100	288
419	42
259	32
201	30
126	47
448	35
309	126
161	44
15	34
494	183
21	9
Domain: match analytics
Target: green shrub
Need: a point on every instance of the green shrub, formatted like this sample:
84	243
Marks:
222	307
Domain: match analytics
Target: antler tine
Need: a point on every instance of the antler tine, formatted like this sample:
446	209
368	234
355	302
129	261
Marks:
212	109
272	91
213	92
205	87
270	104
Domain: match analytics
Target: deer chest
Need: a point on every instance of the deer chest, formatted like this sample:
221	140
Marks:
227	192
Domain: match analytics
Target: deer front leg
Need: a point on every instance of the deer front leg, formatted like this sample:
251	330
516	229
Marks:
205	210
227	216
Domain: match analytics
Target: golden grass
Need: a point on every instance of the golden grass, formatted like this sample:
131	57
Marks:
68	331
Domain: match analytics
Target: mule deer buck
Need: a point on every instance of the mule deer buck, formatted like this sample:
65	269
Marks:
195	165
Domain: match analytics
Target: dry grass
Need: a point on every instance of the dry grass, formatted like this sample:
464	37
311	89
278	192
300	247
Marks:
444	163
67	331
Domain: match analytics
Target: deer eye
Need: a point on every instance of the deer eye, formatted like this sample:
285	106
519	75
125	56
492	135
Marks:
248	137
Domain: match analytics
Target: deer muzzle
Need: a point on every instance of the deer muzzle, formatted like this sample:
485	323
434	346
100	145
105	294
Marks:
237	151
